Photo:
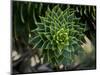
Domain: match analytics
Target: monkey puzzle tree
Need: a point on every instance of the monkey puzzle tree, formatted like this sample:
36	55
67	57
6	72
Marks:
59	35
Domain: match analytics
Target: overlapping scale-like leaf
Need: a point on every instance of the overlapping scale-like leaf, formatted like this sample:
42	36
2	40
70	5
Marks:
59	33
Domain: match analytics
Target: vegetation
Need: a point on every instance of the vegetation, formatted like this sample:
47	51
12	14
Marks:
59	34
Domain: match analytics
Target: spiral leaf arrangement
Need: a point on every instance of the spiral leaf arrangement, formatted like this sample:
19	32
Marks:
59	34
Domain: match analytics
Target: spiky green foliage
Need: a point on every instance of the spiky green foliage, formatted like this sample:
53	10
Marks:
24	17
88	11
59	35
